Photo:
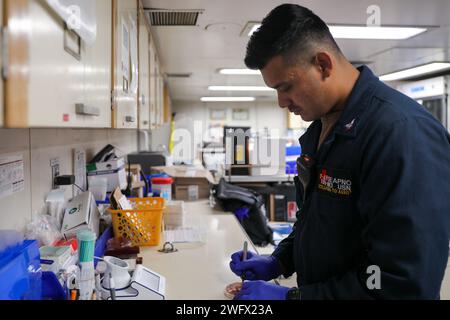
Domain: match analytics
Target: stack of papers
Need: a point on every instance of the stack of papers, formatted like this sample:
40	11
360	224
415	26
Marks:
187	234
174	214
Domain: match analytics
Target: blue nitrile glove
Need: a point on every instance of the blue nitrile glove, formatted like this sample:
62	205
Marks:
256	267
261	290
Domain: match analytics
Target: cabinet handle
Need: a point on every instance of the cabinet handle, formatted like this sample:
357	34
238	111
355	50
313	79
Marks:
130	119
84	110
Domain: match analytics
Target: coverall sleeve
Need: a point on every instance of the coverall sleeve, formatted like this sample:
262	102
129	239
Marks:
404	201
284	253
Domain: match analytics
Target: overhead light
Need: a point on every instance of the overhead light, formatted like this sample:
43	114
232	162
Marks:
250	27
253	29
239	72
239	88
367	32
417	71
374	32
228	99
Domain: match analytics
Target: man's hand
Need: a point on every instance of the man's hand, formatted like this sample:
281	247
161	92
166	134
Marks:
261	290
256	267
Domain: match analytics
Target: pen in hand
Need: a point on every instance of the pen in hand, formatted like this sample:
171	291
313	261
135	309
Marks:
244	257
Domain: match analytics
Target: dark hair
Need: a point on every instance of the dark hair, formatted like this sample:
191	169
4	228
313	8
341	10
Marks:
290	30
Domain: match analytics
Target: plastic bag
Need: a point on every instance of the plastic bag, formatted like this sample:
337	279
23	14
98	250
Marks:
44	229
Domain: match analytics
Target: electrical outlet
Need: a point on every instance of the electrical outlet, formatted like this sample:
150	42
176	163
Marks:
54	164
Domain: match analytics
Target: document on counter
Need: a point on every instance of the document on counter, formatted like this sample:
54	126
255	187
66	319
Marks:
184	234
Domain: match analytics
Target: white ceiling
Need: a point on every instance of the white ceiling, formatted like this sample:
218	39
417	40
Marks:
216	42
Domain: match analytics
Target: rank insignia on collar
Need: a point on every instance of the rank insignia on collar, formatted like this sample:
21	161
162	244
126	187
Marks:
349	126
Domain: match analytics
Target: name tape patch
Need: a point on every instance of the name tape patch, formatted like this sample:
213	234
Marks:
335	182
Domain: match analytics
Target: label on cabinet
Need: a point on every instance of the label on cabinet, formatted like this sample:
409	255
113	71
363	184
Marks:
11	175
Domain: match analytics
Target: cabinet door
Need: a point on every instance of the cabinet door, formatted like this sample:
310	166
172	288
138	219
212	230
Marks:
153	85
159	93
126	64
144	74
65	72
97	69
161	98
16	21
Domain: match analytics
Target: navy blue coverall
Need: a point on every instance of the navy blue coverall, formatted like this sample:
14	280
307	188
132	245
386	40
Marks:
379	195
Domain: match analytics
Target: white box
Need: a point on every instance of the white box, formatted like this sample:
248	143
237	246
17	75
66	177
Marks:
81	213
113	171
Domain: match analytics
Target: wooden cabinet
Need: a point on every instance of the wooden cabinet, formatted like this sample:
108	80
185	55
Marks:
55	78
63	81
125	66
144	72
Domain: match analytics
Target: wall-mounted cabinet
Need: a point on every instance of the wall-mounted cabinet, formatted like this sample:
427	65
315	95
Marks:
157	87
105	74
125	66
167	105
153	81
63	81
144	72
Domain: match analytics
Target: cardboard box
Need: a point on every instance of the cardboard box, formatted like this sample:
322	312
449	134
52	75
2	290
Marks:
81	213
184	175
113	171
191	192
185	178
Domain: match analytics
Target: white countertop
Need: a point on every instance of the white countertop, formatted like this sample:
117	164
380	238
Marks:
200	271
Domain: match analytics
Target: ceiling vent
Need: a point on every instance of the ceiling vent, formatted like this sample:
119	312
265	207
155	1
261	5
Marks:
175	17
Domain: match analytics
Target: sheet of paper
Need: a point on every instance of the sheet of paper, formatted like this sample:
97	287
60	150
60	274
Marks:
186	234
125	203
11	175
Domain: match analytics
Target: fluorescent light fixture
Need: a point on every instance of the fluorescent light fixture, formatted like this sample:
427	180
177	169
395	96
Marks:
227	99
368	32
239	88
253	29
416	71
239	72
374	32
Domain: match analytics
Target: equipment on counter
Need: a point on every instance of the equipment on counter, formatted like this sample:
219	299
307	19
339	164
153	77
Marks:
149	159
81	213
144	284
106	164
237	199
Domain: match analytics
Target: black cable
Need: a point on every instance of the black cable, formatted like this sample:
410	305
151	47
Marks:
79	187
